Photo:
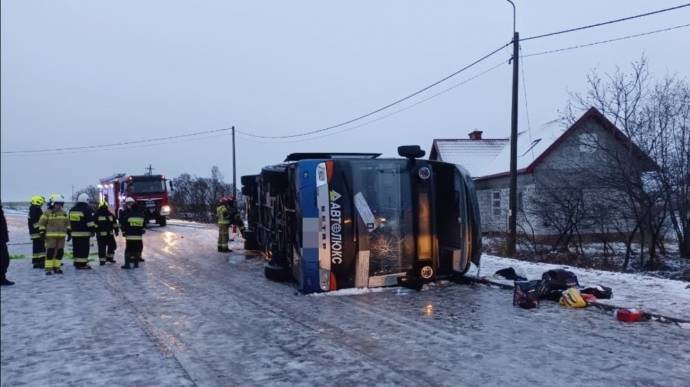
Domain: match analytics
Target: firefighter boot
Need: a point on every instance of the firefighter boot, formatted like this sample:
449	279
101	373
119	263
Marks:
126	265
136	261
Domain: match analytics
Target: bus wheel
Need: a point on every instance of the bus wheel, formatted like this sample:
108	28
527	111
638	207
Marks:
277	273
162	221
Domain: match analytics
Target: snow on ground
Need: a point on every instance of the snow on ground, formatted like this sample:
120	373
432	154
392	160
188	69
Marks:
658	295
192	316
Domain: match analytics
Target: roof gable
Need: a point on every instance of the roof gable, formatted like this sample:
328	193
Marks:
491	157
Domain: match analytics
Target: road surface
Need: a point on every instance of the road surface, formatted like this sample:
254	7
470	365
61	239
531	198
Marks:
191	316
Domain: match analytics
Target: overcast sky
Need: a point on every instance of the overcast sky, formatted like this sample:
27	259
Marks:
93	72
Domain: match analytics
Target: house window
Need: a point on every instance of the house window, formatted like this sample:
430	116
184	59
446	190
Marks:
588	142
496	203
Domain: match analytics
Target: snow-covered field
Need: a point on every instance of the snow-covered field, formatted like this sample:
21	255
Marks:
192	316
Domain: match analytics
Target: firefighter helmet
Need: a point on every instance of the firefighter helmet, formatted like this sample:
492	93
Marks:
573	299
129	200
83	198
56	198
37	200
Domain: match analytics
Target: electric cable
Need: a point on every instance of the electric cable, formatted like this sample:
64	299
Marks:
123	143
57	151
444	91
606	22
605	41
388	106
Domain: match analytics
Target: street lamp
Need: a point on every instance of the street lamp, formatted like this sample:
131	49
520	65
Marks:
512	215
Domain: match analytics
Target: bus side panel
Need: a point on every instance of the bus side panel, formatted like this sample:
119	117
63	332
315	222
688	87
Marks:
306	195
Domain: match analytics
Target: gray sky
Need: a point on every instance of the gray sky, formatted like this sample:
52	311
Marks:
86	72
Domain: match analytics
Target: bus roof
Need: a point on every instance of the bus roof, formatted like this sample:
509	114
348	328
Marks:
327	155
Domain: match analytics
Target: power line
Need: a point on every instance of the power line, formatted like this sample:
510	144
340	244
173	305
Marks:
444	91
606	41
388	106
606	22
117	144
112	148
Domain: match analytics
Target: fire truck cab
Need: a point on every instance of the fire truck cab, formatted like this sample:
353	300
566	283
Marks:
149	191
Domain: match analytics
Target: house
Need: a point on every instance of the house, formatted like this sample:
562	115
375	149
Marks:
564	174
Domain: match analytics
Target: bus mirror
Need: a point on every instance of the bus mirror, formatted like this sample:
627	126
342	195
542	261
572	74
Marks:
411	151
170	183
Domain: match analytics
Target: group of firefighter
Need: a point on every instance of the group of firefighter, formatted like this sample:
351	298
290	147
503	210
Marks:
49	230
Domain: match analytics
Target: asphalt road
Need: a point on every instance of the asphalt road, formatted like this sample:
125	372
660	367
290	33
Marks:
192	316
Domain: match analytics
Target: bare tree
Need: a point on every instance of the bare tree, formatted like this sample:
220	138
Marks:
196	198
651	171
89	190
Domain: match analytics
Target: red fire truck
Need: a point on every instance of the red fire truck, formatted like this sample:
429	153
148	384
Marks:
149	191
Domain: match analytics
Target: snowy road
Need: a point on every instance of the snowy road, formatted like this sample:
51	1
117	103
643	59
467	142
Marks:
191	316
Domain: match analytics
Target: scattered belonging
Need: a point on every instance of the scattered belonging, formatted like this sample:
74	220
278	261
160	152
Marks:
510	274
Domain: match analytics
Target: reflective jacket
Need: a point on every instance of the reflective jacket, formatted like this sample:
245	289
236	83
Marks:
81	220
54	223
35	213
105	222
229	215
132	224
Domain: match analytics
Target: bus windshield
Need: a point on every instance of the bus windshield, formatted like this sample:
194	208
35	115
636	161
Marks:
147	186
383	202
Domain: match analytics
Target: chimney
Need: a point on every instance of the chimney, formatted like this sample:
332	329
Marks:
476	135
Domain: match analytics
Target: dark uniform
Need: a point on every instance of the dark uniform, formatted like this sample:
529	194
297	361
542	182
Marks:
106	229
132	225
39	246
4	253
82	224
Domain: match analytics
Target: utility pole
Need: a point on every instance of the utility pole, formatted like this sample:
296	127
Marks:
150	170
234	165
512	216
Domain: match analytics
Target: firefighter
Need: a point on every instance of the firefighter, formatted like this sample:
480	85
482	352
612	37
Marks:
53	227
83	227
227	216
223	215
4	252
106	226
132	224
39	248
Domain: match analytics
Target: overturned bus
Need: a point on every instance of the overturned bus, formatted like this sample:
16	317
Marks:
331	221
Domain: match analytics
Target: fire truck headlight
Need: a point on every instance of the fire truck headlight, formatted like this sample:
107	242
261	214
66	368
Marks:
165	210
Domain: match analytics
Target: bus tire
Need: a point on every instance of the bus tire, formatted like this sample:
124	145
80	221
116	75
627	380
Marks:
162	221
277	273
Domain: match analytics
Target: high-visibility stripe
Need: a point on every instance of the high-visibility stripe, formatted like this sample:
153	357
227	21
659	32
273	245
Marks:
81	260
90	224
81	233
104	233
102	218
36	225
35	236
223	222
56	234
136	221
38	255
42	228
134	238
75	216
